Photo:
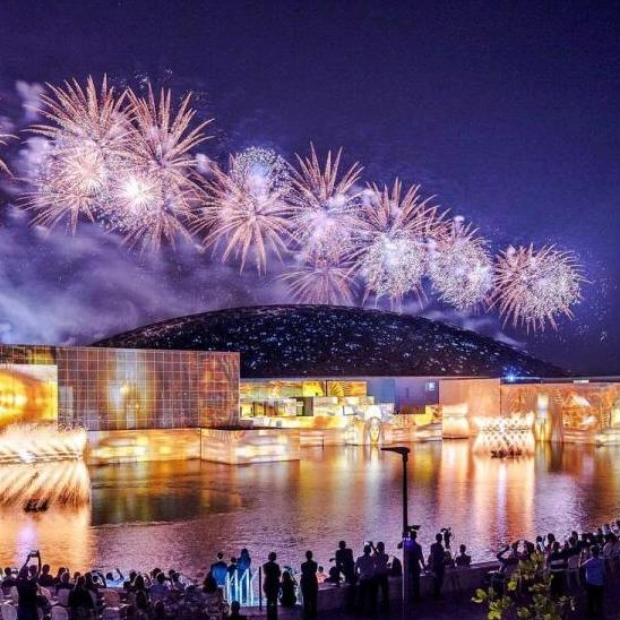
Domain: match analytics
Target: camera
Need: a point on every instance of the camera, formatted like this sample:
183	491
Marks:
33	553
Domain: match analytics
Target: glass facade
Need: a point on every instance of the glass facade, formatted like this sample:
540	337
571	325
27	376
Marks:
104	389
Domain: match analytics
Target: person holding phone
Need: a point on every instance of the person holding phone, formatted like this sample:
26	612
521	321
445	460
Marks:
28	588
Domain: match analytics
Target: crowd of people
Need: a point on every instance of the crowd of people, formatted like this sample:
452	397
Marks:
585	555
157	595
160	595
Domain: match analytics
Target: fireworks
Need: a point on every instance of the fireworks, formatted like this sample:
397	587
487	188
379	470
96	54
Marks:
394	231
3	141
321	279
460	268
533	287
121	160
262	170
154	199
126	161
247	209
88	133
324	203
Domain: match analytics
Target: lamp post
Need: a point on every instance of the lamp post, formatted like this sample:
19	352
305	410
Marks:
404	453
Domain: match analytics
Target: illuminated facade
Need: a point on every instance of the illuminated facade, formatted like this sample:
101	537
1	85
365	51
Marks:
138	405
515	415
118	389
580	411
132	404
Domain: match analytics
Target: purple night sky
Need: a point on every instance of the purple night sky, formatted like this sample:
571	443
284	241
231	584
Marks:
506	112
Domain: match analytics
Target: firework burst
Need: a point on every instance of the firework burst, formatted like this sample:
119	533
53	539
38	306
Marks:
394	230
3	140
247	210
161	188
532	287
460	268
88	131
324	203
321	279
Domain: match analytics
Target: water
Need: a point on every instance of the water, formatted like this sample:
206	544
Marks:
179	514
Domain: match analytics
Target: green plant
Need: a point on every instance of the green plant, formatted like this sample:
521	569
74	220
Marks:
526	595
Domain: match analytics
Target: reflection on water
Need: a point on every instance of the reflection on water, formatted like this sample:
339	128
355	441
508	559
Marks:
180	514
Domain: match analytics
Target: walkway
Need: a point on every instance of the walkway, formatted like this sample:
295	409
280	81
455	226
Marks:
458	606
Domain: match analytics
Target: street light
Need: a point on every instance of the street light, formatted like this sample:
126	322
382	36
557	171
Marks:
404	453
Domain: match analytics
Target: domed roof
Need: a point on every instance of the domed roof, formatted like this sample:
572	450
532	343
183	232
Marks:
335	341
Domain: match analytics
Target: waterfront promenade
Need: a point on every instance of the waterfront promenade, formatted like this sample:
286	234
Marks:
456	604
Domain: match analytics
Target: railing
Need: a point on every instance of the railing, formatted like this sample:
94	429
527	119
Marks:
242	587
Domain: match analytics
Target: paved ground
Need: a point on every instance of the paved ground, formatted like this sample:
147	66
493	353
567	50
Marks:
461	607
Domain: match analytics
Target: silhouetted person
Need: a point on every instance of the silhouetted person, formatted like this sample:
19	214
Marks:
235	611
346	566
232	573
46	579
244	561
288	597
557	564
594	568
365	571
396	567
415	560
309	586
345	562
219	570
271	585
80	600
462	559
382	572
437	564
27	589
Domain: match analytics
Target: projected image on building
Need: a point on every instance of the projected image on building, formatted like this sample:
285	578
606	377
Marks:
122	389
28	394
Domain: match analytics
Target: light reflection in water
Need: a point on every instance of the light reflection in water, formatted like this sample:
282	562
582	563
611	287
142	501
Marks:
181	513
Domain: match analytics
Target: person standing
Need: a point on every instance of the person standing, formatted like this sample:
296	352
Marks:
594	568
219	570
27	589
345	564
271	585
415	561
365	571
309	586
382	571
437	564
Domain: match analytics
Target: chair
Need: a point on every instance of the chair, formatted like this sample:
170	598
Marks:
59	613
62	596
113	608
8	612
111	598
